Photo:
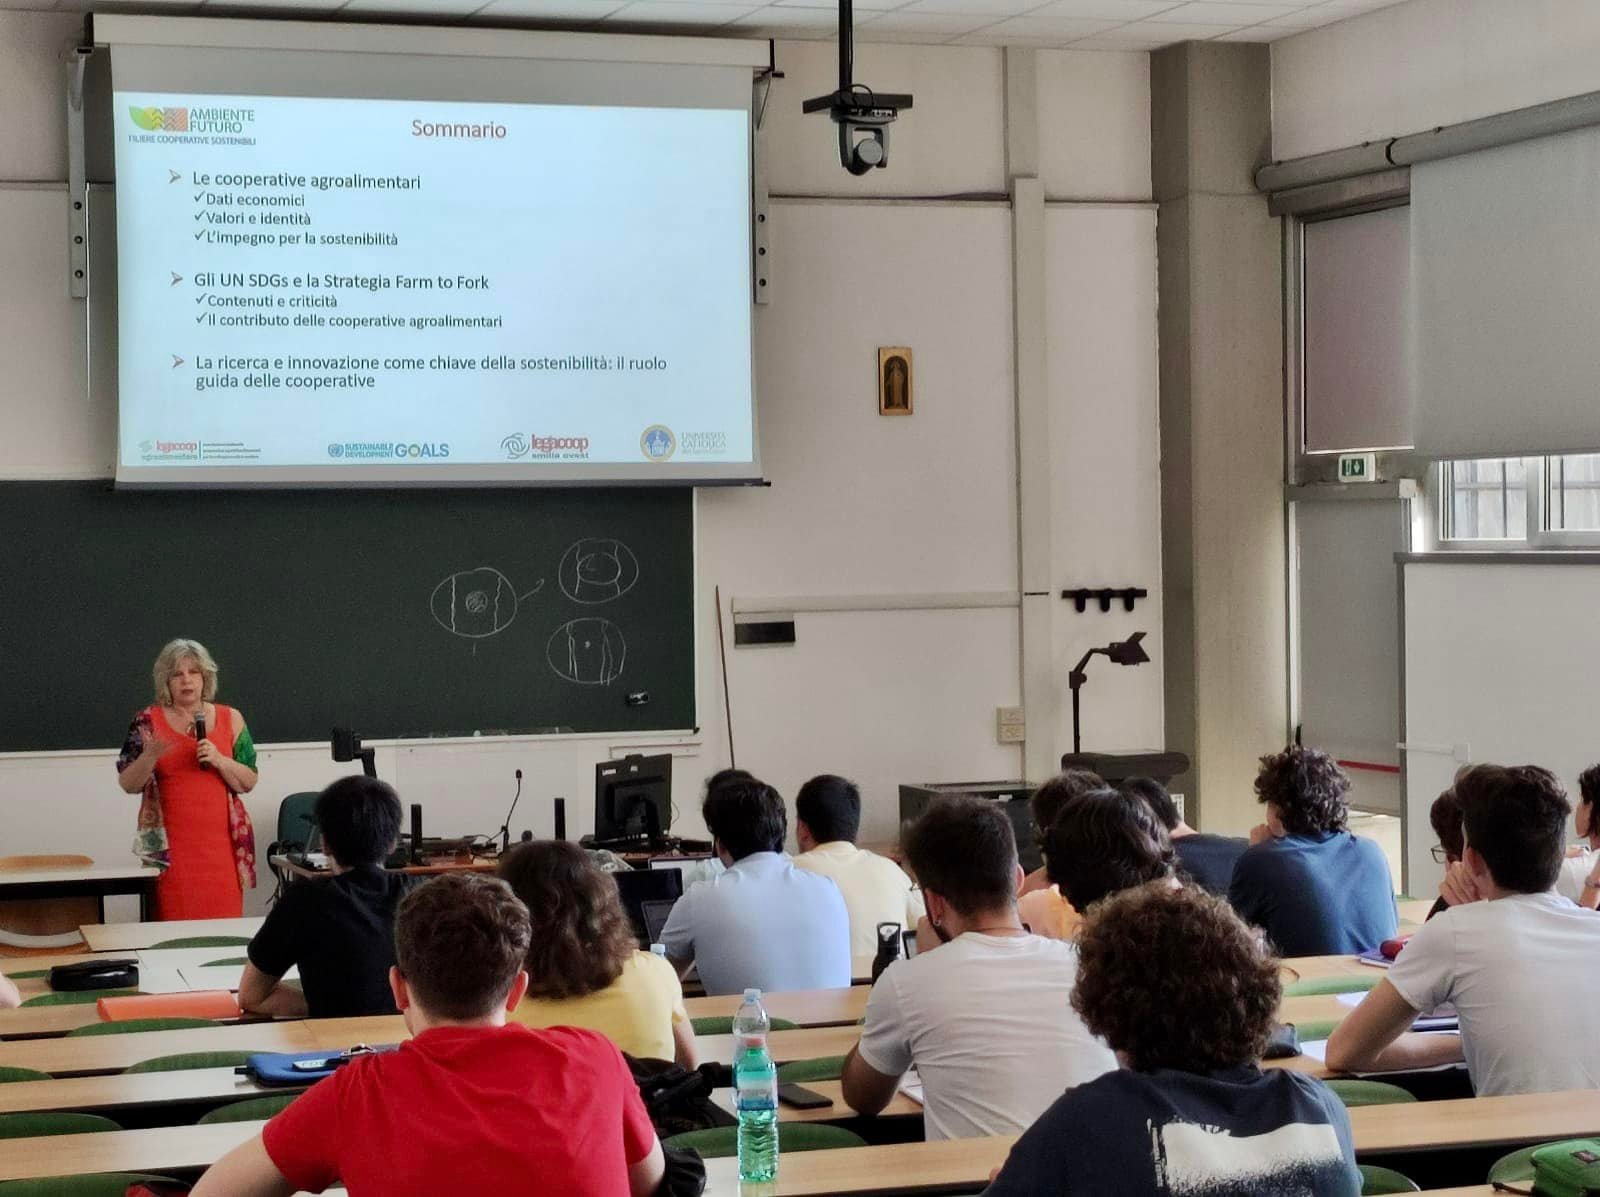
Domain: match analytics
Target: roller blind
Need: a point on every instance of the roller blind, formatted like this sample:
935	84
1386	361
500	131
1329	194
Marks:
1357	299
1505	271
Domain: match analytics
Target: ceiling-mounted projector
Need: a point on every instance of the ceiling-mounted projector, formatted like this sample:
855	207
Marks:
863	115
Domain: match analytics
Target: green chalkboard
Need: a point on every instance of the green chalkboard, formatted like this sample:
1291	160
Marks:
400	614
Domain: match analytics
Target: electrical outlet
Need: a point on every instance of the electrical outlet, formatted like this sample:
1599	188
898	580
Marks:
1010	726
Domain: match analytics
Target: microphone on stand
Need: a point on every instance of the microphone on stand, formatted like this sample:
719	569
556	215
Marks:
505	828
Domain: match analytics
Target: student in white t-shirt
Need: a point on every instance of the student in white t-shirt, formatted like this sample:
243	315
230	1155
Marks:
1515	966
985	1016
827	818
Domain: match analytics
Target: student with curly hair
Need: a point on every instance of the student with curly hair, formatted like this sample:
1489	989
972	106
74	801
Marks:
1515	965
1186	995
1313	886
584	967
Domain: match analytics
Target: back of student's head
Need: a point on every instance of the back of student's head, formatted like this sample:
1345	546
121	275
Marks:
459	941
1103	842
1515	817
746	816
1155	796
360	820
1049	798
1445	815
963	849
831	807
581	937
1589	786
1173	978
723	776
1307	787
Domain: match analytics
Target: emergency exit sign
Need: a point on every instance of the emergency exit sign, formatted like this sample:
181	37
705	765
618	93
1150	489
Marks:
1358	467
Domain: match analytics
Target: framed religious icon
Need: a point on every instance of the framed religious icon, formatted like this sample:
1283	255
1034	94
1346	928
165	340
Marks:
894	381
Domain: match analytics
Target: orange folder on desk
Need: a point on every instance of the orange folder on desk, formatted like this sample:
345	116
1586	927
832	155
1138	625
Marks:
206	1003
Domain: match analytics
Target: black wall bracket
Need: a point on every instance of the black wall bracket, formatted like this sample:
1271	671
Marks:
1128	594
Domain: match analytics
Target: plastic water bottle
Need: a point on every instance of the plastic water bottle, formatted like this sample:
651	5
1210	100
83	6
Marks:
755	1083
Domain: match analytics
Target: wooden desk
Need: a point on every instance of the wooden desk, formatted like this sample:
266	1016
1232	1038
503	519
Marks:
94	881
1318	968
900	1106
119	1091
113	1053
1476	1122
155	1150
475	864
807	1008
130	937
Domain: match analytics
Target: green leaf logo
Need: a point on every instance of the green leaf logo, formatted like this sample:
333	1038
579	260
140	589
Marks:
148	119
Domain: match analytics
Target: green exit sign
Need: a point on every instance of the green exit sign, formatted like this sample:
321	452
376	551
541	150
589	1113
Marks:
1358	467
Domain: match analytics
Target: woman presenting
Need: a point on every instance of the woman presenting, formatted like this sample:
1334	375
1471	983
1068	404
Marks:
192	823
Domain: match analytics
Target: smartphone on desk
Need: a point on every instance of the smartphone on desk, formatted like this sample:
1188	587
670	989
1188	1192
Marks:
802	1098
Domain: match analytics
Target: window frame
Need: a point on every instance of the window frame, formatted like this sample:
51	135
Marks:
1537	534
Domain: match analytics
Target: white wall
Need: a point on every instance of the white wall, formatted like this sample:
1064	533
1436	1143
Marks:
860	504
1414	66
1480	688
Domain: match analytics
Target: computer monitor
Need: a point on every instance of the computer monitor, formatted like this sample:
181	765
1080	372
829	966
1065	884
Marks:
636	887
633	798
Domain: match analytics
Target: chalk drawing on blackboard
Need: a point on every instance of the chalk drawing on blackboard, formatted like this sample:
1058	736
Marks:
597	570
589	651
477	603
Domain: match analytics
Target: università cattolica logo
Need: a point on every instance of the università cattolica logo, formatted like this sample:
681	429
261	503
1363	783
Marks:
657	443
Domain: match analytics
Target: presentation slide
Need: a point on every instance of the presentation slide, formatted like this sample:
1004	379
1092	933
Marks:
329	289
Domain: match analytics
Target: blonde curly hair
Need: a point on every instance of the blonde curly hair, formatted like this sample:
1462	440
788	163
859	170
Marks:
170	657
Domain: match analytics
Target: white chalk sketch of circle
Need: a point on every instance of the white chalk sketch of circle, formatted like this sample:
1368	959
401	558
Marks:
597	570
474	603
588	651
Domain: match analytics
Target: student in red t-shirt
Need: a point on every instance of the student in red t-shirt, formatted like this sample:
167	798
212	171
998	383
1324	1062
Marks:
469	1104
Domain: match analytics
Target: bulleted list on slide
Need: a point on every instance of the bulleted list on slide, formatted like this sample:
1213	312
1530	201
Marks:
308	282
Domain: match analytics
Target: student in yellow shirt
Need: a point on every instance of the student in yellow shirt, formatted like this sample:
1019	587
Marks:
1044	911
9	997
584	967
827	819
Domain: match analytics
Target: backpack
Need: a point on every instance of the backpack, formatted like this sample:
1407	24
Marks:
1570	1168
678	1099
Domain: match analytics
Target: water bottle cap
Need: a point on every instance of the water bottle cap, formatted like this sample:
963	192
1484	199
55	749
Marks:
659	949
752	995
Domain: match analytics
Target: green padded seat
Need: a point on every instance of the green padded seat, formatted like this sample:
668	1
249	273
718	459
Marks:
249	1111
183	1061
202	941
76	997
723	1141
131	1026
9	1074
1369	1093
722	1024
1314	1029
35	1123
1385	1180
823	1068
1322	986
229	962
1518	1166
105	1184
30	975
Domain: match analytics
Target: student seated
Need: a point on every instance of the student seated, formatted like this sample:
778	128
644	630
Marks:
1104	842
469	1104
827	818
1186	995
10	998
1514	965
339	930
584	967
1445	817
1316	889
983	1016
1044	911
1579	878
1208	860
763	923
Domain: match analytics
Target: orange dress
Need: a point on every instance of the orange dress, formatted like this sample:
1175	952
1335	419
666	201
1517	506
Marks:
202	881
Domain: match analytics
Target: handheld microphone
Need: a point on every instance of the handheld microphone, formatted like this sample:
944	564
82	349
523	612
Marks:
200	729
